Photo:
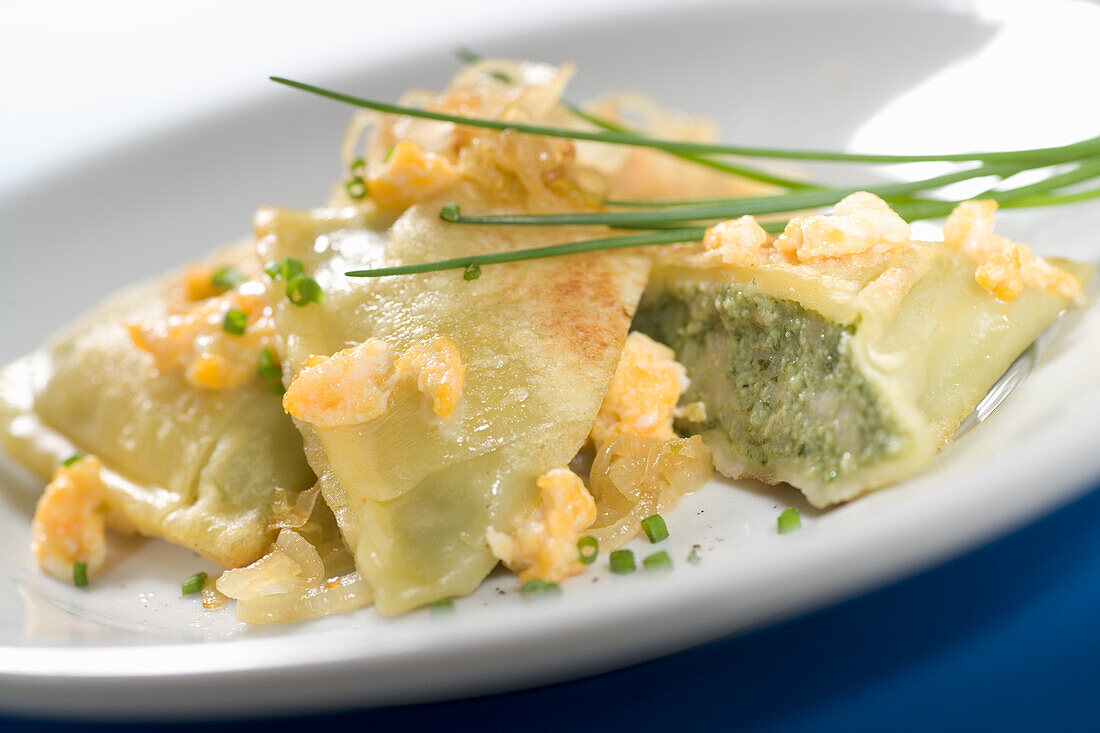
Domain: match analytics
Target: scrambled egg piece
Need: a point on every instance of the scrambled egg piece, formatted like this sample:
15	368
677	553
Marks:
439	371
1002	267
195	341
354	385
408	175
739	242
543	545
69	521
643	393
859	221
198	283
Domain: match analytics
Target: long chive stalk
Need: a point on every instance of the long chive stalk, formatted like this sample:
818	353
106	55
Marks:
666	236
744	171
1083	148
926	209
729	208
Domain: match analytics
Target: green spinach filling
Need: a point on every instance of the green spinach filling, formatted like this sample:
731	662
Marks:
778	381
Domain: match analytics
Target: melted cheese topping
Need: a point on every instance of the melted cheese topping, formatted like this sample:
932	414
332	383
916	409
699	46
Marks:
543	544
1002	267
354	385
69	521
194	341
641	399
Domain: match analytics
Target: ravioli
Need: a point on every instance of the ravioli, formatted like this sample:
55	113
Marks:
840	370
196	466
415	493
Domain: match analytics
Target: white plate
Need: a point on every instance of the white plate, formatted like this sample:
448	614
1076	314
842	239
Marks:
902	77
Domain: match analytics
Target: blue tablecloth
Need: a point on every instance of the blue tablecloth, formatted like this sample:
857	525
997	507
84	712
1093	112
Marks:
1007	637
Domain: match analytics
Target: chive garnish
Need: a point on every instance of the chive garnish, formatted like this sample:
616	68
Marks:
622	562
356	187
389	153
80	574
285	270
655	528
588	548
1080	149
466	55
274	269
303	290
715	209
68	462
789	521
908	211
657	562
536	587
270	372
193	584
358	166
444	605
449	212
472	271
1002	164
226	277
235	323
693	556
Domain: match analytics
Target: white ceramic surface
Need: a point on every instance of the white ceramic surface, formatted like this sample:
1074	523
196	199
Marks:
881	76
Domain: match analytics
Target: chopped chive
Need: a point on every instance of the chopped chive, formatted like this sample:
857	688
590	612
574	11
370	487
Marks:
389	154
285	270
472	271
303	290
358	166
193	584
537	587
226	277
789	521
235	322
80	574
444	605
657	562
655	528
72	459
270	372
450	212
356	187
588	548
622	562
693	556
501	76
466	55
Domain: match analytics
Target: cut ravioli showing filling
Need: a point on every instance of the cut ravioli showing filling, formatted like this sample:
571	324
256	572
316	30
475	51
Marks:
841	356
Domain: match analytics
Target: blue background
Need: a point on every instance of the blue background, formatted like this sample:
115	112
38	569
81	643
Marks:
1007	637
